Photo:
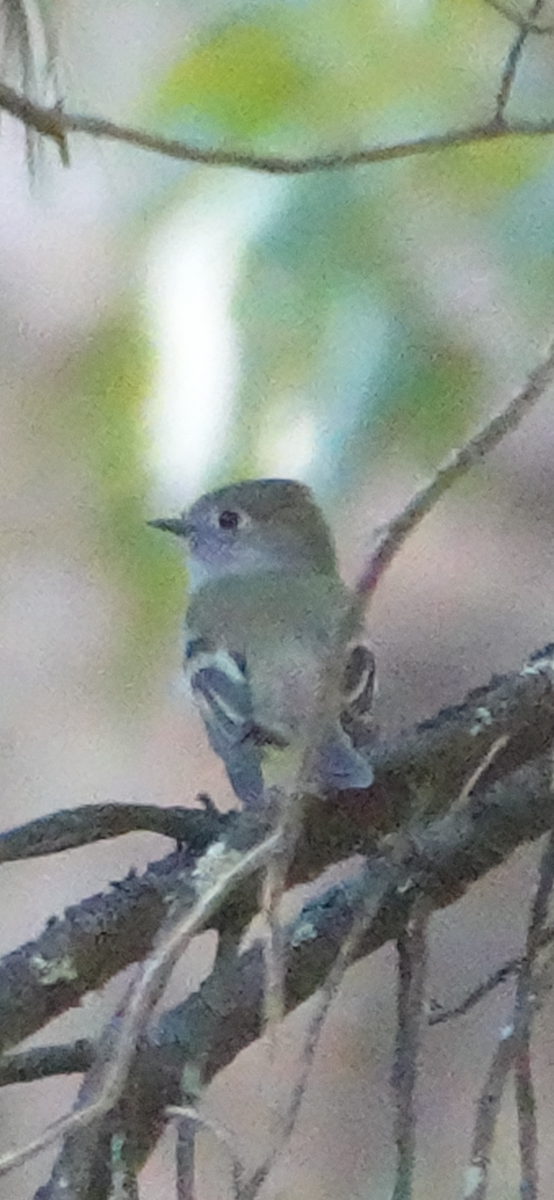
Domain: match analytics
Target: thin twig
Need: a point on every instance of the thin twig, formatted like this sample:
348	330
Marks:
515	18
526	1003
488	1108
505	11
412	966
274	949
483	989
190	1119
512	62
145	994
346	955
511	967
460	462
514	1050
526	1103
184	1159
481	768
124	1183
52	121
539	912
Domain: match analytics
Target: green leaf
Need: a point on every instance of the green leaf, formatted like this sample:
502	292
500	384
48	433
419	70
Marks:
245	78
103	419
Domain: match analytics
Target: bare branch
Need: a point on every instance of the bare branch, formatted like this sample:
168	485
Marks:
53	122
42	1062
419	773
212	1026
512	62
184	1157
72	827
488	1108
526	1004
511	13
189	1119
526	1103
459	463
101	936
412	966
142	999
514	1050
347	952
474	997
511	967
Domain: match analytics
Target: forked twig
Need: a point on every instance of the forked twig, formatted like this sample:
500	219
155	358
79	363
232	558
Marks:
526	27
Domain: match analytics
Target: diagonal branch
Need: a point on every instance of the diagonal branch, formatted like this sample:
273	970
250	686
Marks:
526	26
459	463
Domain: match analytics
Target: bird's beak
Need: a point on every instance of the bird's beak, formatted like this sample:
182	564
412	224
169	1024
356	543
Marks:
176	525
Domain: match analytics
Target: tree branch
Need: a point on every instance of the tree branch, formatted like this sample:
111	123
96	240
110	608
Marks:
142	998
209	1029
412	968
42	1062
53	122
72	827
459	463
418	774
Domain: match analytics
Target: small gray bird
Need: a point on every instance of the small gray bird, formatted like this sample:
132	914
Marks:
274	649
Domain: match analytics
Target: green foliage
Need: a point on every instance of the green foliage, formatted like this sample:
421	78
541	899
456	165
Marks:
481	175
432	405
106	416
333	321
245	78
339	300
326	70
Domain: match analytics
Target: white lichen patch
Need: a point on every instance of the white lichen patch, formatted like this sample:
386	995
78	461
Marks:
305	931
216	862
538	666
191	1083
54	970
482	721
474	1177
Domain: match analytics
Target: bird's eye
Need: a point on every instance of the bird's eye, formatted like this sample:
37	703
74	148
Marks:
229	520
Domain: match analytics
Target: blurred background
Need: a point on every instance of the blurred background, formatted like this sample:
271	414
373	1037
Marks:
165	328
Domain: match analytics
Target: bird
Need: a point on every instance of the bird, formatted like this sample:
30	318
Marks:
275	653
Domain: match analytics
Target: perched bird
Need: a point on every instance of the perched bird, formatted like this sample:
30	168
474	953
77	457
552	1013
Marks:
274	649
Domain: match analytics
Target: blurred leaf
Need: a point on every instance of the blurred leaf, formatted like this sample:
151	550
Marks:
344	339
245	77
106	418
325	69
433	406
478	176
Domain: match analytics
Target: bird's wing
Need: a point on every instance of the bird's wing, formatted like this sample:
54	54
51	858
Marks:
221	689
359	685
